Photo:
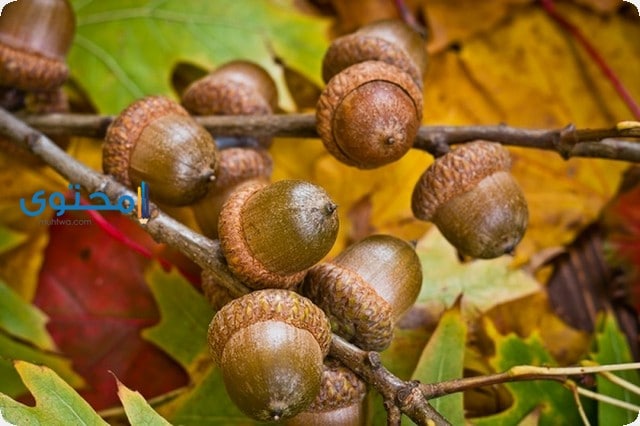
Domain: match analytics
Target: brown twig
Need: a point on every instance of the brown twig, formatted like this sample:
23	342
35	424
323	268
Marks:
405	396
206	253
568	142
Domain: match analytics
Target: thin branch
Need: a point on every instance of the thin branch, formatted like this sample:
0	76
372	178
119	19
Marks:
206	253
607	399
407	396
568	142
576	397
517	374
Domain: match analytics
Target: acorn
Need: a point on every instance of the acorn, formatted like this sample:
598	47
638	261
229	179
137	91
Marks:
340	401
155	140
368	114
391	41
271	234
235	166
269	346
473	200
35	37
236	88
366	289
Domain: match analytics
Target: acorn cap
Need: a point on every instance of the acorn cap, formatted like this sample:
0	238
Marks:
125	130
268	305
340	387
456	173
240	164
391	138
390	41
357	312
236	88
34	39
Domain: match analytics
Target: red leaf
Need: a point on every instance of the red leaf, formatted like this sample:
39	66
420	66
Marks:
93	289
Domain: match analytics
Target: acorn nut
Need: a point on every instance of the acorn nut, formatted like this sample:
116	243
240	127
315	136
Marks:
155	140
271	234
391	41
368	114
35	36
473	200
366	289
269	346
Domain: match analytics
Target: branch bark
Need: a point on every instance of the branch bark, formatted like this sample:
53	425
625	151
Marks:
568	142
405	396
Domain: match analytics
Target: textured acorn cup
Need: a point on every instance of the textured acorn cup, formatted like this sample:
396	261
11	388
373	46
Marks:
271	234
366	289
390	41
156	141
236	165
35	36
236	88
269	345
369	114
339	402
473	200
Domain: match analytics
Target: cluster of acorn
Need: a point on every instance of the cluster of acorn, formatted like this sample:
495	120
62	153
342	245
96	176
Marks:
272	344
272	236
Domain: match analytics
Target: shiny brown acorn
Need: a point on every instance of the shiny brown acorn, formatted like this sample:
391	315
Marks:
155	140
366	288
368	114
474	200
271	234
269	346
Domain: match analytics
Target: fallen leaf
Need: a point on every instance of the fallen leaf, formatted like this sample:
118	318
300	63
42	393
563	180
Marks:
611	348
126	49
94	292
483	284
442	359
138	410
555	403
56	402
23	320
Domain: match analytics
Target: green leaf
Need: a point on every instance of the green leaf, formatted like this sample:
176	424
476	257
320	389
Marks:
138	410
484	283
10	349
443	359
184	317
10	239
56	402
22	319
556	404
612	348
125	49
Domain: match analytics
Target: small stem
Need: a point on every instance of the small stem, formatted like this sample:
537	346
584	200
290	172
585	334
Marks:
576	397
608	400
568	141
518	373
550	7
